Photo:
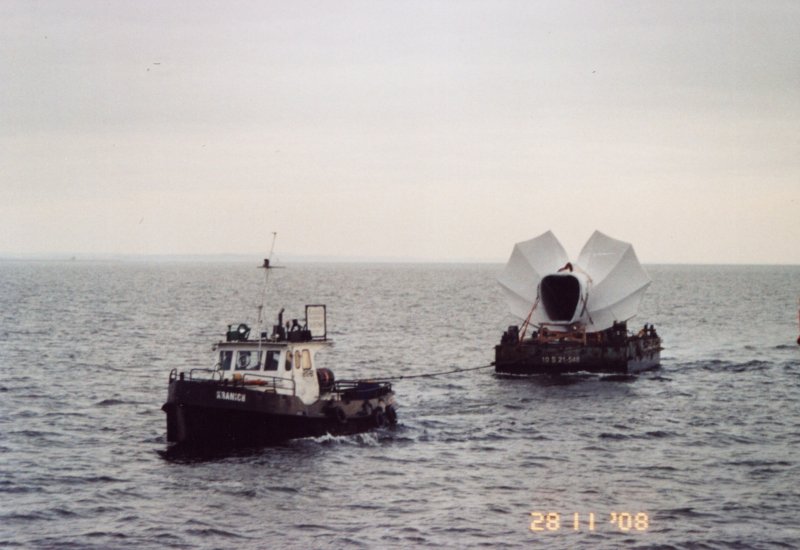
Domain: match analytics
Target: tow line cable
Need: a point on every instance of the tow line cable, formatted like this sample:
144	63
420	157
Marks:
432	374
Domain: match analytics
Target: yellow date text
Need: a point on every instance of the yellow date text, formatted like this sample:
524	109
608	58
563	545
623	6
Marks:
624	522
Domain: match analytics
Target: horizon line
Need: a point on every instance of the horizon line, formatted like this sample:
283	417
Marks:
309	258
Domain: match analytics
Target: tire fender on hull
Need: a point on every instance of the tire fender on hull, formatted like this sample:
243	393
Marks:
391	415
379	418
337	414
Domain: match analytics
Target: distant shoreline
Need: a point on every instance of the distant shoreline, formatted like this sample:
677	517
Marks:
288	260
230	258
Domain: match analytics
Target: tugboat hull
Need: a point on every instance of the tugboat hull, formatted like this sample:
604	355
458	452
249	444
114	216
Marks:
214	414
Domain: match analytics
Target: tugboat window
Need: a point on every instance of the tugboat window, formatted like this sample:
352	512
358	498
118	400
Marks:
248	360
225	358
288	365
272	360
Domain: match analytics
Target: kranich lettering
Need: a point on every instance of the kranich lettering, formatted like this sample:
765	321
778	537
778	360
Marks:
231	396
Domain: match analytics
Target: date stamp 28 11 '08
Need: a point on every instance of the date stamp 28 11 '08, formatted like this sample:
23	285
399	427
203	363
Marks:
624	522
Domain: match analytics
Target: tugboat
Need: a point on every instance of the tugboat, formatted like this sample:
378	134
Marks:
577	313
268	389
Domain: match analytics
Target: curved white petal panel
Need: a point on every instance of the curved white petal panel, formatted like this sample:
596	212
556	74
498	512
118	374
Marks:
529	262
618	281
612	282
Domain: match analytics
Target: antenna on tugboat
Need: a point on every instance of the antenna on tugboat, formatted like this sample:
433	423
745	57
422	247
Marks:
266	267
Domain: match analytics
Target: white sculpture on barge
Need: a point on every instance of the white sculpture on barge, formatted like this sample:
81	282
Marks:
575	314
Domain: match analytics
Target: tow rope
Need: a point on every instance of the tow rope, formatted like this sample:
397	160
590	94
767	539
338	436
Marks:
432	374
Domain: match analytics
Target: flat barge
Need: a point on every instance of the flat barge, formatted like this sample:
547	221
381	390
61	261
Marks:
612	351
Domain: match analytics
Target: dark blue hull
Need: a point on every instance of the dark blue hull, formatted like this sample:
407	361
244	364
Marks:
213	414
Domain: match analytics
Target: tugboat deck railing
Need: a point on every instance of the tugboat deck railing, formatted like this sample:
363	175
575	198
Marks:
269	383
360	389
175	375
212	376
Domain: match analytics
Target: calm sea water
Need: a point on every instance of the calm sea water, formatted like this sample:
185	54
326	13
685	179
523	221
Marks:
702	453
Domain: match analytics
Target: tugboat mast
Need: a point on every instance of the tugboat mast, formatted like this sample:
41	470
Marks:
266	267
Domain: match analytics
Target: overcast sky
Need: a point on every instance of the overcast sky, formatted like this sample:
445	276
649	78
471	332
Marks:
430	130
